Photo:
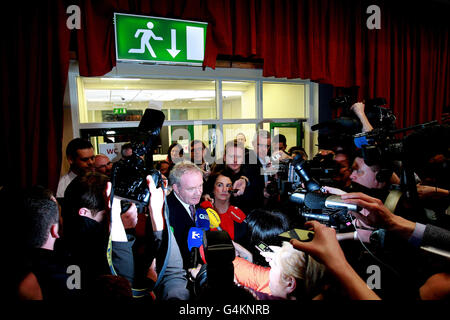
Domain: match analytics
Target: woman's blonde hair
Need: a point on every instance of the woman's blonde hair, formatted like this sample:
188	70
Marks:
308	272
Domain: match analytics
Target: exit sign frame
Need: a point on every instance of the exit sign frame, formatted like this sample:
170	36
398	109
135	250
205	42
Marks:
163	41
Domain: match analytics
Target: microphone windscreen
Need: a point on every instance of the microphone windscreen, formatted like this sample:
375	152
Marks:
360	141
202	253
206	205
214	218
315	200
237	214
195	238
202	219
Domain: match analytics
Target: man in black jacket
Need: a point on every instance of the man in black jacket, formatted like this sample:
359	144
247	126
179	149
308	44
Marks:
50	267
187	187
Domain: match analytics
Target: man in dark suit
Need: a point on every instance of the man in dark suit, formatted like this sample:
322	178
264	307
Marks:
187	188
259	164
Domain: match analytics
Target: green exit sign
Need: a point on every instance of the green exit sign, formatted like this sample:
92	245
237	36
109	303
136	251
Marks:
119	111
159	40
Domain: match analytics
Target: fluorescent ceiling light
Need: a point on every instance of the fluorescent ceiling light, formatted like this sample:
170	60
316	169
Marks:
234	82
155	95
202	99
120	79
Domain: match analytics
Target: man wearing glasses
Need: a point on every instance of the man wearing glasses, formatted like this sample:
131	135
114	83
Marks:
103	164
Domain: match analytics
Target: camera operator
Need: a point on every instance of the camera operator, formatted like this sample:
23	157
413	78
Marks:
368	176
172	285
344	159
358	109
88	223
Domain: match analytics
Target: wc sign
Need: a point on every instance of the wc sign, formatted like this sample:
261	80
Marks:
112	150
159	40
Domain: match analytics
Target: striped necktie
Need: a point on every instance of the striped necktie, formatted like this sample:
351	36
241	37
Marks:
192	209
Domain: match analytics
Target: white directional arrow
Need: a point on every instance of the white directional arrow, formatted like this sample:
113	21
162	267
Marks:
173	40
195	235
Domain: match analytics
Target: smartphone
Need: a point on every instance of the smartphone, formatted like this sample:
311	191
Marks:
263	247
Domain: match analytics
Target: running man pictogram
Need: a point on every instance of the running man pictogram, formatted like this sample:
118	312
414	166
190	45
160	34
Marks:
147	35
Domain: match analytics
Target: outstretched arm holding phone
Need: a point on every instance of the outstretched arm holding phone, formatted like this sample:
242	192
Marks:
325	248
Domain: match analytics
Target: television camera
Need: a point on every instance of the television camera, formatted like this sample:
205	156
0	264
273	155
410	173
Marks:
322	169
382	146
313	204
129	173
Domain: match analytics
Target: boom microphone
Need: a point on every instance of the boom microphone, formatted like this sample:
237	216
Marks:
319	201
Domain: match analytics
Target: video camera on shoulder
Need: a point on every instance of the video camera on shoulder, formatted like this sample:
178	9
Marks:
129	173
340	131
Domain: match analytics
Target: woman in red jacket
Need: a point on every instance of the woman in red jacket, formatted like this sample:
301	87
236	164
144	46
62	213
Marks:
219	187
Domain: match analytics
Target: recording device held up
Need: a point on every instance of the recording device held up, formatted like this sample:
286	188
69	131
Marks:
340	131
314	205
129	173
383	146
322	170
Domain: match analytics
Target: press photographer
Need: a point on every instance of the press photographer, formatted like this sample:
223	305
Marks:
134	181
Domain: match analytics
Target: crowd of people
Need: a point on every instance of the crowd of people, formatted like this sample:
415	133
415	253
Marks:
85	242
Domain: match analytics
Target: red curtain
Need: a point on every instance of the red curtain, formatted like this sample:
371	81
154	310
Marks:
34	59
327	41
407	61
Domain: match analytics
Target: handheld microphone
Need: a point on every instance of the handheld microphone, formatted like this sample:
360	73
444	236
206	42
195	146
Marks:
375	237
237	214
214	219
360	141
195	238
317	216
195	245
362	234
319	201
202	219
